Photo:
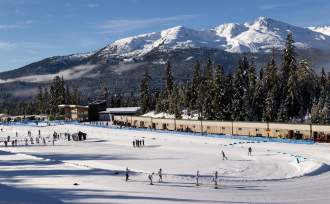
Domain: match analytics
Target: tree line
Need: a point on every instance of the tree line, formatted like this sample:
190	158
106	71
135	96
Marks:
286	92
46	100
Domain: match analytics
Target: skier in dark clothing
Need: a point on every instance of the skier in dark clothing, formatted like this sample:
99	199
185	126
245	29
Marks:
150	176
143	142
224	157
250	151
216	180
160	174
127	174
134	144
197	178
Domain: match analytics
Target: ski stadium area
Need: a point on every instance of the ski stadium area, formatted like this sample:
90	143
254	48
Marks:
93	170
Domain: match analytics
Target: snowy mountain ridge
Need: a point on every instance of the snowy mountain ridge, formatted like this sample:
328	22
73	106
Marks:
261	35
321	29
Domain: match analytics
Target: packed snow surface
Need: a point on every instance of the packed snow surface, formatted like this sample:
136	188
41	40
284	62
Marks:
275	173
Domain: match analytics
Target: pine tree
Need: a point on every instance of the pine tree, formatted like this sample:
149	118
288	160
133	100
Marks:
145	93
168	89
308	88
76	96
292	96
68	97
252	95
228	97
46	101
208	84
289	95
325	112
196	81
40	100
169	79
175	102
219	102
240	91
258	98
271	89
315	112
323	80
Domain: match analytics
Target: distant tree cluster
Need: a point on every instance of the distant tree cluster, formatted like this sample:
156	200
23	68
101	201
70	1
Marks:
286	92
46	100
116	99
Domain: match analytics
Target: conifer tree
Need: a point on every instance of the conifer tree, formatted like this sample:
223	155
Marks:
288	77
208	111
169	79
40	100
196	81
219	101
271	89
145	93
240	91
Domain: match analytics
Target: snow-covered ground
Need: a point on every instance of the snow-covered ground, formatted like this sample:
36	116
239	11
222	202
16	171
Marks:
271	175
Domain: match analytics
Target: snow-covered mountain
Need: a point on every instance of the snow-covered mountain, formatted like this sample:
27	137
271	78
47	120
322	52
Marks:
121	63
321	29
261	35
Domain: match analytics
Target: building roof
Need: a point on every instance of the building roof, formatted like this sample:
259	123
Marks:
121	110
71	106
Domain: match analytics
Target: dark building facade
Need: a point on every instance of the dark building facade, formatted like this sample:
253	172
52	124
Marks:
94	108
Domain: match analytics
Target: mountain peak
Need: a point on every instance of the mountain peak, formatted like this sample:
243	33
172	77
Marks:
263	22
260	35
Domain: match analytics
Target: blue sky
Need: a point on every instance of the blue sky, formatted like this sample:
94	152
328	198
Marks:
31	30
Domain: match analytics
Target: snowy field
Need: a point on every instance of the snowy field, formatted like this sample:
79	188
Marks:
47	174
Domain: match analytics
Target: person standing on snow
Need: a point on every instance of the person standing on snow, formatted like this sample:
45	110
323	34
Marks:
127	174
197	178
250	151
216	180
160	174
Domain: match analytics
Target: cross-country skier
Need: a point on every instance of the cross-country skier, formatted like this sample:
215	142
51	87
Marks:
127	174
216	180
250	151
197	178
134	144
150	176
160	174
224	157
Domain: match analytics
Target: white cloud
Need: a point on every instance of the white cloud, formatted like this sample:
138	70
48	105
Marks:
8	27
73	73
4	45
23	24
124	25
